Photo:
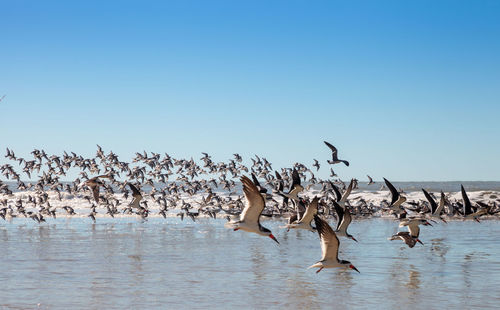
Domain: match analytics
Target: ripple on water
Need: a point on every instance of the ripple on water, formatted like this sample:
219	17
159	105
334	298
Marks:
170	263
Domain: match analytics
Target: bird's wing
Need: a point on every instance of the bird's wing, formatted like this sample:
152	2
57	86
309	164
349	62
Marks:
405	236
340	213
311	211
255	181
135	202
431	200
328	238
107	176
95	191
347	191
336	190
280	181
255	202
442	202
394	192
295	178
334	149
414	230
467	204
347	220
134	189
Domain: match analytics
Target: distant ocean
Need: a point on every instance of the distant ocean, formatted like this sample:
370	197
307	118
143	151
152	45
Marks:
412	186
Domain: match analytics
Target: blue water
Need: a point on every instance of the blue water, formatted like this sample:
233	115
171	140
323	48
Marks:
159	264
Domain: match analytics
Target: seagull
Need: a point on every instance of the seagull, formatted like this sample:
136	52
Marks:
335	159
305	221
397	198
94	185
435	209
345	219
329	247
249	218
136	194
370	180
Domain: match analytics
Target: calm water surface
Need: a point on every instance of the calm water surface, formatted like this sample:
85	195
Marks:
125	264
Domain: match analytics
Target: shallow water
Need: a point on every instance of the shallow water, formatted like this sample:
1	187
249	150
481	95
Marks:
123	263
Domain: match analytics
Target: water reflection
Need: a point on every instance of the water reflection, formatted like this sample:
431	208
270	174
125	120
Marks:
413	278
166	264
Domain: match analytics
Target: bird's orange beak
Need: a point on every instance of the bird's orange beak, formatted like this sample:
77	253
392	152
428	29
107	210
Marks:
418	240
274	238
354	239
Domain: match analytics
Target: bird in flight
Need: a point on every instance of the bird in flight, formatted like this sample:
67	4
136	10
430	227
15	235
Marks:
329	247
249	218
335	159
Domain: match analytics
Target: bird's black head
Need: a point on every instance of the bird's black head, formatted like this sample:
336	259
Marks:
348	264
268	233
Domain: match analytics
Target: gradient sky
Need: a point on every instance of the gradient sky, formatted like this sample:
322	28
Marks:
407	90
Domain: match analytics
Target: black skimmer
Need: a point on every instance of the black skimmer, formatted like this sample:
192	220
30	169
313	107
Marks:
370	180
397	199
335	159
344	219
405	236
436	209
249	217
413	231
94	184
304	222
136	195
329	248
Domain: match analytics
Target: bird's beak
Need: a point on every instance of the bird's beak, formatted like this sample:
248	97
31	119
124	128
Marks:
418	240
427	224
354	239
477	220
274	238
442	219
354	268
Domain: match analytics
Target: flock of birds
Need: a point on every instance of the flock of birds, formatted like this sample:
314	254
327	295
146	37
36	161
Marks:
173	181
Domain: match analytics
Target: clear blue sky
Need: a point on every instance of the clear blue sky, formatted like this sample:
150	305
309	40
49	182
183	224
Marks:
407	90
